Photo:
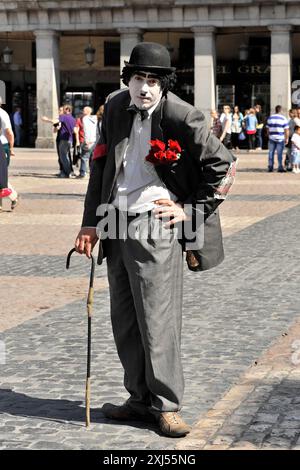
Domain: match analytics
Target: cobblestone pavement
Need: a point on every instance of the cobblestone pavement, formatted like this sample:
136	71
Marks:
241	324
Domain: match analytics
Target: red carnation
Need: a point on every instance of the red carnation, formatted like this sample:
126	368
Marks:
171	156
157	145
159	156
174	145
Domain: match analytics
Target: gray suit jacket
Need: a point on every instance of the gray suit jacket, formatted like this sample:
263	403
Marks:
194	178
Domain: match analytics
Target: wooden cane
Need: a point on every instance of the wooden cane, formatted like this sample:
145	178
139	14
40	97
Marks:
90	299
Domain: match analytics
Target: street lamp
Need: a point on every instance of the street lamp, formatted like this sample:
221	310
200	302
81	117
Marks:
89	52
243	51
168	46
7	54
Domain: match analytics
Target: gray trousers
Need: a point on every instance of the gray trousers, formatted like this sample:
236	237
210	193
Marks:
145	280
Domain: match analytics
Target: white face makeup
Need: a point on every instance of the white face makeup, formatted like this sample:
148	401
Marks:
145	90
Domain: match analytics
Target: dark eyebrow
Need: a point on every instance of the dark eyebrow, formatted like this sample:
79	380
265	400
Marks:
141	74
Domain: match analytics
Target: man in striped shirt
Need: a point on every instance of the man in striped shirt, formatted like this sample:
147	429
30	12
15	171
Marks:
278	132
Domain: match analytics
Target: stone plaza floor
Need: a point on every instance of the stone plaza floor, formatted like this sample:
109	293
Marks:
241	322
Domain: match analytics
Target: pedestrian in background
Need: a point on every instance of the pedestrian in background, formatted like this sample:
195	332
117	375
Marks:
259	126
278	134
236	127
250	129
295	153
216	126
99	115
18	124
288	163
77	151
56	129
89	122
67	127
297	117
7	142
226	120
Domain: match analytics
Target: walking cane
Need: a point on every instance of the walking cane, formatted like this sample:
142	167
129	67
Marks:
89	304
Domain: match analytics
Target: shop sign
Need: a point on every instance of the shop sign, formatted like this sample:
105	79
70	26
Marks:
253	69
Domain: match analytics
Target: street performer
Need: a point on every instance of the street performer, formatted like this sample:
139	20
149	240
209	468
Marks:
158	168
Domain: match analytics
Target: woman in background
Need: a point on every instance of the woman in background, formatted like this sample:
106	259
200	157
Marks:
236	127
259	126
250	127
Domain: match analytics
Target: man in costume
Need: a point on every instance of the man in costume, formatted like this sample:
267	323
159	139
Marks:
185	176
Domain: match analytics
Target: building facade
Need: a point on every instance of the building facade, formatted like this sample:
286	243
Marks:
237	52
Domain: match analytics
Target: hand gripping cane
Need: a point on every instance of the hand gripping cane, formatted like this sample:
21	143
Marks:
89	304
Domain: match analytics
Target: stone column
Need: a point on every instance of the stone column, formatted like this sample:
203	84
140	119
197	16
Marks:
205	69
47	84
281	59
129	37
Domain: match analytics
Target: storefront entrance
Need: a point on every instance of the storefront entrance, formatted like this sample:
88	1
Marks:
81	97
25	99
244	86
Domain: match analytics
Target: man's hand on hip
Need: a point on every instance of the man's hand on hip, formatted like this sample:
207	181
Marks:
168	209
86	240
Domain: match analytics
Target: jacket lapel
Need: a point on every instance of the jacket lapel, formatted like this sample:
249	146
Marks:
156	129
125	118
120	141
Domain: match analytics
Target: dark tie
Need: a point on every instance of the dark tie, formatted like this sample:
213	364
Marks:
142	112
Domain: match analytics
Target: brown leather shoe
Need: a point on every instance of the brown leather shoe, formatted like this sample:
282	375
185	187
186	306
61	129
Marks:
125	413
171	424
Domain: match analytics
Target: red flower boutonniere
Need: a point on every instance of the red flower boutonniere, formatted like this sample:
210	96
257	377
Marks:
160	155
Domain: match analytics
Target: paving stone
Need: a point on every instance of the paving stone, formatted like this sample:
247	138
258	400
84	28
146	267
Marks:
278	442
259	428
48	445
245	446
223	440
254	438
265	418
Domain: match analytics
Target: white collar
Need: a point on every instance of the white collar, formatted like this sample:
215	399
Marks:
150	110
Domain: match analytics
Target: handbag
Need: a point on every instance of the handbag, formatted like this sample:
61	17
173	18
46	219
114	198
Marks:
242	136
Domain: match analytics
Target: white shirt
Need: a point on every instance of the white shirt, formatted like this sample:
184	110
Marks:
296	141
138	184
89	128
4	124
224	118
297	121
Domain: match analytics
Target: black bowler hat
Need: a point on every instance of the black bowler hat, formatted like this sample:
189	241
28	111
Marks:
150	56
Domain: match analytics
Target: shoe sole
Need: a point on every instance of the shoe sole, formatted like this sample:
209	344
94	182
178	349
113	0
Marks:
144	419
173	433
132	416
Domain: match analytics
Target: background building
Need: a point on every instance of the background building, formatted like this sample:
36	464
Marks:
238	52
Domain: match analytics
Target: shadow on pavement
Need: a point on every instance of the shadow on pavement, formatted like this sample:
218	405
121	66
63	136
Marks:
56	195
253	170
58	410
35	175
